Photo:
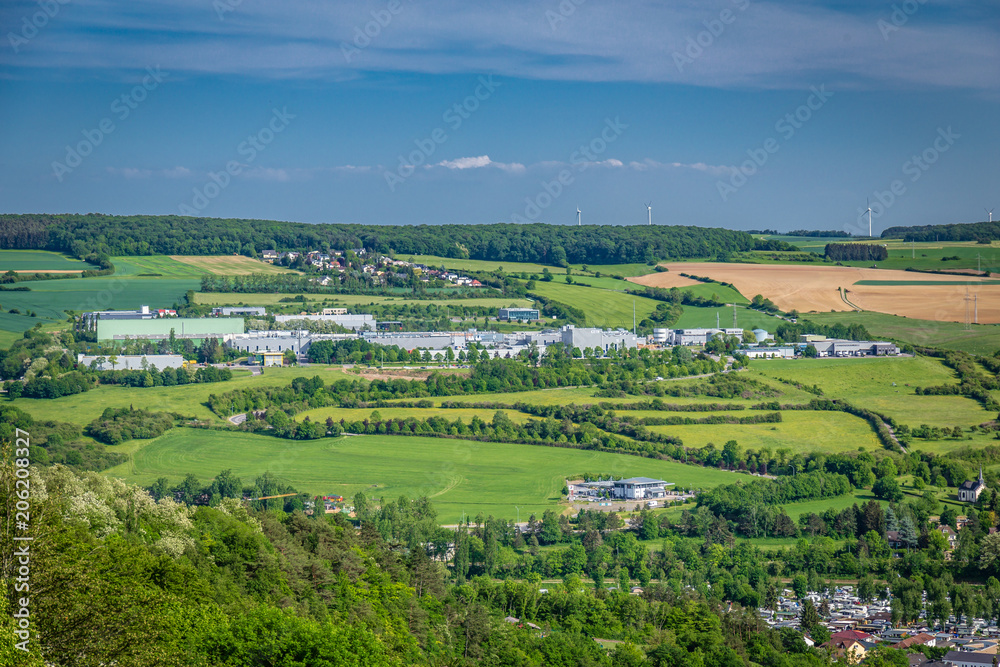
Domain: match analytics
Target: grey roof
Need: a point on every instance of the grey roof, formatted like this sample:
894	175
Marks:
640	480
969	656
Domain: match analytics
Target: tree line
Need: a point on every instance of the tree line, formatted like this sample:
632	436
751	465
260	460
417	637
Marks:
541	243
856	252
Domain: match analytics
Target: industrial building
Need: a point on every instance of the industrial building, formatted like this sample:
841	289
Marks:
272	341
701	336
769	352
226	311
90	319
518	314
833	347
356	322
640	488
132	362
597	339
162	328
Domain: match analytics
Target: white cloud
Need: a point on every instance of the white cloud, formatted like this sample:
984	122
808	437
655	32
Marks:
479	162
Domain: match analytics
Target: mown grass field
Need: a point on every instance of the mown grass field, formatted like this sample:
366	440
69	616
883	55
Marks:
155	264
229	265
800	431
978	339
603	308
869	382
40	260
434	261
360	414
458	475
51	298
860	496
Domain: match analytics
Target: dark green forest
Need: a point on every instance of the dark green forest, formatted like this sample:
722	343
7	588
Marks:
82	235
975	231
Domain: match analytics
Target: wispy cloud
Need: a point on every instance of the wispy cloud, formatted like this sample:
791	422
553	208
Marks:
770	45
478	163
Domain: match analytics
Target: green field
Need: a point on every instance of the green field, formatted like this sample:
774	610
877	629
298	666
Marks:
51	298
458	475
161	264
697	318
860	496
603	308
800	431
360	414
903	255
978	339
869	383
40	260
187	400
347	300
624	270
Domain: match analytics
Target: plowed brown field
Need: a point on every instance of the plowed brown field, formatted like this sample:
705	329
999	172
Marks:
817	288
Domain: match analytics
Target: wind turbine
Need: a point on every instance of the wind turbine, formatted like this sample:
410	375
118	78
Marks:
649	211
869	217
578	223
989	212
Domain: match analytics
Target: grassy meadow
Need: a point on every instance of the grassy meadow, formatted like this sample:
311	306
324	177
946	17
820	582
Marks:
978	339
603	308
40	260
458	475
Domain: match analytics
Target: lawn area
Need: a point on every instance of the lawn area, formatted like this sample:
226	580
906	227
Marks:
979	339
801	431
697	318
860	496
458	475
869	382
40	260
186	399
603	308
623	270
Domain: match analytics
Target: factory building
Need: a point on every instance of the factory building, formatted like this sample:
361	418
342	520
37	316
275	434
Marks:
90	319
132	362
355	322
161	328
226	311
598	339
272	341
832	347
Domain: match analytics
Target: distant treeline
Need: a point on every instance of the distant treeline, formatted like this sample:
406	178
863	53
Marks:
82	235
820	233
974	231
856	252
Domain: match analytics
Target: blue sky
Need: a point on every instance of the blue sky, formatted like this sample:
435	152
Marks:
735	113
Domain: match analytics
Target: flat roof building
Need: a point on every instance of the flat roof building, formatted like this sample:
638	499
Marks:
239	310
356	322
640	488
161	328
132	362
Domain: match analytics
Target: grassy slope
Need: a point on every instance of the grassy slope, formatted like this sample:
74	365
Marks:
799	431
40	260
165	266
460	476
868	382
694	318
603	308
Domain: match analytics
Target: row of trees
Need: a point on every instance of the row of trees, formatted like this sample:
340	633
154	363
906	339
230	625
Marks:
856	252
542	243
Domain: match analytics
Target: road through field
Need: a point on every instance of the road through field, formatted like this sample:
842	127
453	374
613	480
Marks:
817	288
